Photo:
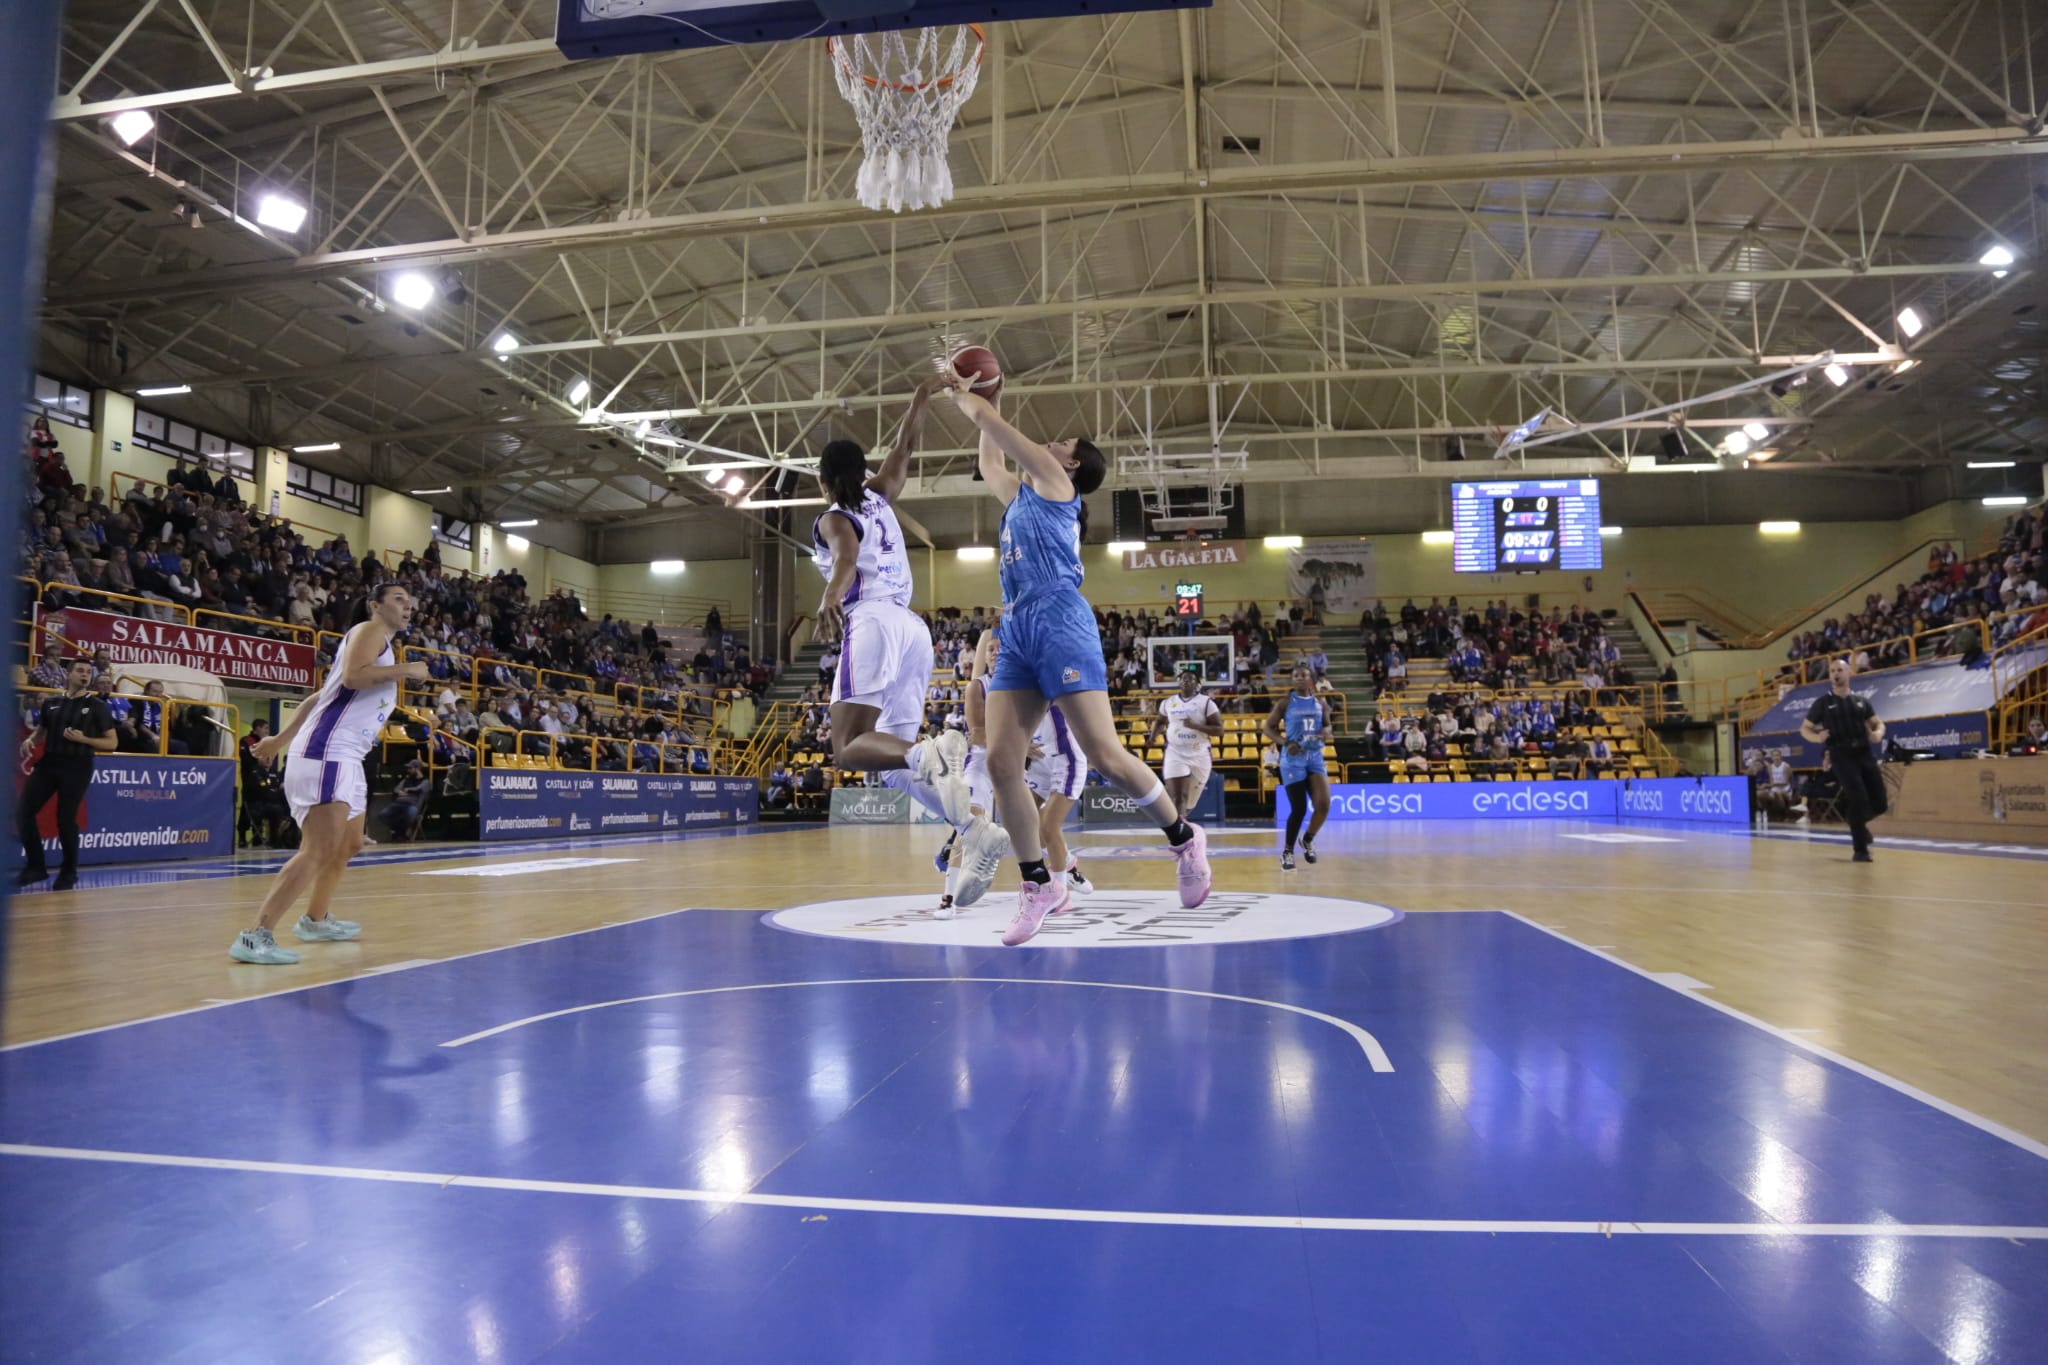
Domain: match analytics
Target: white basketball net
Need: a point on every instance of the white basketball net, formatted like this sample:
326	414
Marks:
906	89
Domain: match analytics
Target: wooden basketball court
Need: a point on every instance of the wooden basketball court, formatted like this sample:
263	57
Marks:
1488	1074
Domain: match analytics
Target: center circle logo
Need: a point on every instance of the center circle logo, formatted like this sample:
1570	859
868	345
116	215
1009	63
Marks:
1107	919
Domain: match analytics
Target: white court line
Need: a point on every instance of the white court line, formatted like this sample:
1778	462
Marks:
357	976
1678	981
1792	1036
1028	1213
1366	1042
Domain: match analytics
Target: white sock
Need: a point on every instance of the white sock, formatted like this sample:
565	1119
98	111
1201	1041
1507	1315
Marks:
903	780
1152	797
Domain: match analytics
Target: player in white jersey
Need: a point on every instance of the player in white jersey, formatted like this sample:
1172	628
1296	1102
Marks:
1056	772
884	648
327	742
1191	722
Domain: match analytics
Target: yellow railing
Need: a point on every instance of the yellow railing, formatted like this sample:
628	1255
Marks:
2023	691
115	497
538	747
169	705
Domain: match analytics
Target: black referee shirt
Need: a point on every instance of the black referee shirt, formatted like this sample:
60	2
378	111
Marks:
87	714
1846	719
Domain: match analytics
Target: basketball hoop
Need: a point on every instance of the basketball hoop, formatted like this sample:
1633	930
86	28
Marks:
906	88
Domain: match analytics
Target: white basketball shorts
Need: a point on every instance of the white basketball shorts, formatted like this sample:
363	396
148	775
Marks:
1195	765
310	782
1053	775
885	661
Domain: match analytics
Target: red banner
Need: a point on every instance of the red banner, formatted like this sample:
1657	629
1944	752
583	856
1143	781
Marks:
223	653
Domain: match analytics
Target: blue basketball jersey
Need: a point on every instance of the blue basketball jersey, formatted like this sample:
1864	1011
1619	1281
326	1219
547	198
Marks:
1304	721
1040	546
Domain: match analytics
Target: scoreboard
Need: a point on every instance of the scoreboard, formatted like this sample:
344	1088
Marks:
1523	526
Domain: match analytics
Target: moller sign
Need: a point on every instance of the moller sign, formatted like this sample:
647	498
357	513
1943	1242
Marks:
223	653
1190	555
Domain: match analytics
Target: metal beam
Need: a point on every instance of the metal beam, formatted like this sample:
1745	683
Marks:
429	65
1092	195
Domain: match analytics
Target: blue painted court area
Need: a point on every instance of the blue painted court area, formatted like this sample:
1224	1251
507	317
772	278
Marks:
783	1147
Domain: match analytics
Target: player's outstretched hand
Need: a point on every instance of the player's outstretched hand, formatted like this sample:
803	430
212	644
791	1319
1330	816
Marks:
831	620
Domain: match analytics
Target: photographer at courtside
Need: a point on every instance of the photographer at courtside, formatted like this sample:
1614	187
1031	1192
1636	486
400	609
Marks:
71	728
1850	730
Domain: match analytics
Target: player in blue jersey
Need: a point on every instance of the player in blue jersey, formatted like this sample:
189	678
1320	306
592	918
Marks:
1298	725
1052	651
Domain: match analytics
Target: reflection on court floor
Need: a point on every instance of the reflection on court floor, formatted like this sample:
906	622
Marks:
1441	1137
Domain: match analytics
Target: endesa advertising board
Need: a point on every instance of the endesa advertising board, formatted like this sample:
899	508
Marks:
1699	800
140	808
528	804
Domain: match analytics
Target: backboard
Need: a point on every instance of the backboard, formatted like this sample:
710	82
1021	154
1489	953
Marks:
611	28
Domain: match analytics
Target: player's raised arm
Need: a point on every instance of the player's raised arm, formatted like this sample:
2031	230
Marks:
1048	476
895	470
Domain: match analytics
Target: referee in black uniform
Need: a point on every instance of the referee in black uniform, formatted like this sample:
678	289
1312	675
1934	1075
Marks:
72	728
1851	730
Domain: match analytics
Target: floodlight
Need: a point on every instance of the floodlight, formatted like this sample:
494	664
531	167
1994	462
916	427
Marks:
412	290
133	125
1910	323
281	212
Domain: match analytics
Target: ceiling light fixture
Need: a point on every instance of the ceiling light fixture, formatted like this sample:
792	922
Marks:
1778	528
1283	542
1124	547
1838	375
1736	442
1910	323
1998	255
666	567
976	553
579	390
132	125
281	211
508	525
711	476
163	390
1438	537
517	544
1756	431
412	290
504	343
735	484
2006	500
317	448
1990	464
1610	532
430	492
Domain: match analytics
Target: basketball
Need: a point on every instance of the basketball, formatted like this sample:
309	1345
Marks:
980	362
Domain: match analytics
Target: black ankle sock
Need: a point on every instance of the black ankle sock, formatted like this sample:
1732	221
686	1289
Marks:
1035	871
1178	833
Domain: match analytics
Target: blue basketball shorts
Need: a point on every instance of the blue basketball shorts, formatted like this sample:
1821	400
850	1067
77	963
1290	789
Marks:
1051	647
1298	768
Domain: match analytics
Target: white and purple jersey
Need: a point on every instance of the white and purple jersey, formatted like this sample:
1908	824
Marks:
882	571
345	723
